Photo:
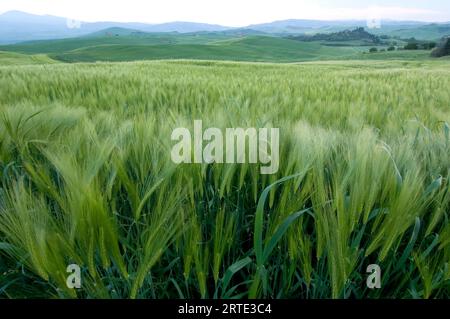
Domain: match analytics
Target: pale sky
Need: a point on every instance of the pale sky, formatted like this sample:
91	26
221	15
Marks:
233	12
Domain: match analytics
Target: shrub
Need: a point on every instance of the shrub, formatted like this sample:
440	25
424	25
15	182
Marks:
391	48
442	49
411	46
373	50
428	45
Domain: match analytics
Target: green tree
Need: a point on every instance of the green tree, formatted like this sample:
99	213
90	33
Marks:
411	46
442	49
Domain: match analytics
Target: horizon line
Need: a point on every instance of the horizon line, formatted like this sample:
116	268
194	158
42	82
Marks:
223	25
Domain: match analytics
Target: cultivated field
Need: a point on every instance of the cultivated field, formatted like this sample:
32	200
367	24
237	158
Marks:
86	178
123	46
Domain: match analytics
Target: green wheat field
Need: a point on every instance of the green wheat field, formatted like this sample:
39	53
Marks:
86	178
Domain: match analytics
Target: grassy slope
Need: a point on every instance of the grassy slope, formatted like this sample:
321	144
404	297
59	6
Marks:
254	48
64	45
11	58
118	44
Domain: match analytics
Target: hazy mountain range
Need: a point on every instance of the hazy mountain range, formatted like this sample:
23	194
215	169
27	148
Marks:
16	26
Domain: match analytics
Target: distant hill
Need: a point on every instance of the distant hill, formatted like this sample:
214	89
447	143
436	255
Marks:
317	26
296	26
16	26
183	27
358	34
242	32
432	31
400	29
116	31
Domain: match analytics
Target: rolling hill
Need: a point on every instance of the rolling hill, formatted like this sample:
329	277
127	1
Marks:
119	44
122	36
16	26
11	58
104	37
130	42
249	48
